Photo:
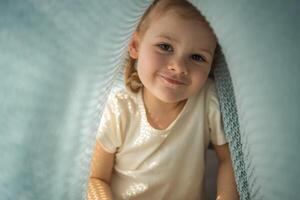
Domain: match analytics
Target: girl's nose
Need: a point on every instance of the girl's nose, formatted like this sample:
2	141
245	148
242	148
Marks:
178	66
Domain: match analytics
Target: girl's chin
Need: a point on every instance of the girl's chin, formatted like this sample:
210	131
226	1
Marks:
167	95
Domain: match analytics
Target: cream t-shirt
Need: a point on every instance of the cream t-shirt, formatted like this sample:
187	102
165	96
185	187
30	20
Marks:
160	164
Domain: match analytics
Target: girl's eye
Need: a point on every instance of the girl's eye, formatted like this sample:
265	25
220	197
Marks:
198	58
165	47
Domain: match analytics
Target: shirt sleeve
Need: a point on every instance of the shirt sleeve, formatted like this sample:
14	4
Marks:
109	133
215	123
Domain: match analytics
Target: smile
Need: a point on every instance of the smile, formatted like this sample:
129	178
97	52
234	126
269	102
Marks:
172	82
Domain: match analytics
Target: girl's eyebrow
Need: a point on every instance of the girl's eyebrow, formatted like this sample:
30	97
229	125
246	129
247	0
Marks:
206	51
173	39
168	37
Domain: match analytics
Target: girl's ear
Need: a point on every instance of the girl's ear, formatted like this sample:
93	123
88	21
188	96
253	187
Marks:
133	46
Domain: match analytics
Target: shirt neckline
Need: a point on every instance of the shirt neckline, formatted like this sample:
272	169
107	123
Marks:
145	119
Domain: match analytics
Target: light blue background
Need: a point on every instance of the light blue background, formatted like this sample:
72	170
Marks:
59	59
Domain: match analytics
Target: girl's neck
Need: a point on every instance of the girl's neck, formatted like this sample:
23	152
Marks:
160	114
155	105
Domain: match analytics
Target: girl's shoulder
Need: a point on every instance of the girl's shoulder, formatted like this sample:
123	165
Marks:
211	87
211	90
212	99
207	94
122	94
123	99
208	89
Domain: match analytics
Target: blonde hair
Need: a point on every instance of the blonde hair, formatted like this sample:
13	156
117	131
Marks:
185	9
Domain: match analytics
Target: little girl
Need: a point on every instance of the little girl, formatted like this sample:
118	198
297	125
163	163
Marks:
153	135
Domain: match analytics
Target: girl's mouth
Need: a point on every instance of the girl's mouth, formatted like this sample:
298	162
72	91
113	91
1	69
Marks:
172	80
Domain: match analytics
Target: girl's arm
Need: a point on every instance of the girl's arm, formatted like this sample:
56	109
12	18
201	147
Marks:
100	174
226	186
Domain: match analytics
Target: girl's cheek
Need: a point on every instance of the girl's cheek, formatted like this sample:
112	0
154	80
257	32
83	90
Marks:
157	57
160	58
200	74
150	54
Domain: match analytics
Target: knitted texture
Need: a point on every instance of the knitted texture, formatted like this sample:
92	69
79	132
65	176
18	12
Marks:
231	123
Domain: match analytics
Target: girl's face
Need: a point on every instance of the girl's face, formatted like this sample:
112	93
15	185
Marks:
174	57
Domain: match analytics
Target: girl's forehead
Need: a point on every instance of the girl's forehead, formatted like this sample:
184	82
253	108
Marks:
182	27
193	33
172	17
